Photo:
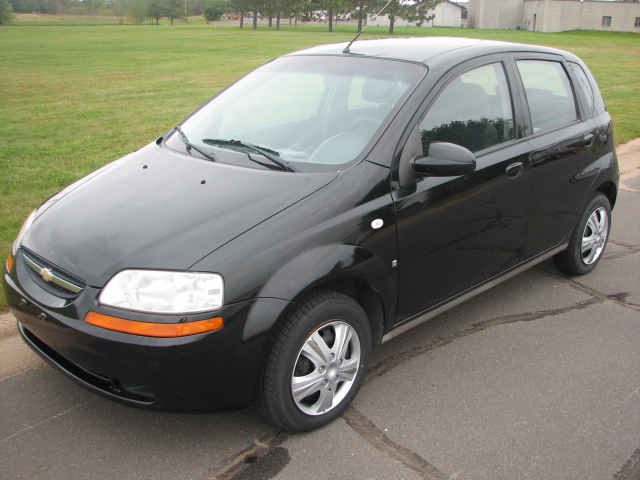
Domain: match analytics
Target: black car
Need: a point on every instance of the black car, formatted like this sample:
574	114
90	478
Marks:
323	204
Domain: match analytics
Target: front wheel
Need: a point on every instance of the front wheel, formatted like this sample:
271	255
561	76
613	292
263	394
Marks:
589	238
316	363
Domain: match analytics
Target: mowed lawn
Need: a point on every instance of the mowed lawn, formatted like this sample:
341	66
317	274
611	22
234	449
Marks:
73	98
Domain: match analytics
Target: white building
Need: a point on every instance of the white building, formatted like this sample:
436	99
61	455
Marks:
554	15
448	14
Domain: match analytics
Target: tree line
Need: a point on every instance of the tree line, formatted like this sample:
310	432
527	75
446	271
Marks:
140	11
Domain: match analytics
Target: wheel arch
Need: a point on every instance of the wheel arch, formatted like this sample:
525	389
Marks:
348	269
362	292
609	190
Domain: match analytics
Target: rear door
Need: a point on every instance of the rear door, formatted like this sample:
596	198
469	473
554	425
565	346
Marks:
564	145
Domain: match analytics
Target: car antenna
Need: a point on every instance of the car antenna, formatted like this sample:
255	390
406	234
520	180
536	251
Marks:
346	49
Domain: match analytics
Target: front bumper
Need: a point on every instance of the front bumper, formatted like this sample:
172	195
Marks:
215	370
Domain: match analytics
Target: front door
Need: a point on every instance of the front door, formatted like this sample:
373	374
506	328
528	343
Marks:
457	232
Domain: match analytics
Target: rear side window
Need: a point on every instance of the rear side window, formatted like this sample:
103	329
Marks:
583	85
590	85
549	93
474	110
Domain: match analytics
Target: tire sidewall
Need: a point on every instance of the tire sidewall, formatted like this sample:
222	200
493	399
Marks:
339	309
575	244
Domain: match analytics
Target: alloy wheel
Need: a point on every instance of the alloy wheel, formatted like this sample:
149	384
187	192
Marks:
594	236
325	368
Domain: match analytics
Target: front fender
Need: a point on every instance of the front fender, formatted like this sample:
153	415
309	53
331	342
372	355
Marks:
322	264
314	268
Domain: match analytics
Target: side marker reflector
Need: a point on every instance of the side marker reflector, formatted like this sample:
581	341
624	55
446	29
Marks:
9	264
148	329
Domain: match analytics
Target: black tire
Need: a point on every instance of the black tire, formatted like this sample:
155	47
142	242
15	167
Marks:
592	229
335	375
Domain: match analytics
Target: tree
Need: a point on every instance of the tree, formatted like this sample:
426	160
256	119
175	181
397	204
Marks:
268	10
285	8
409	10
359	11
241	7
93	6
175	10
156	10
294	8
6	12
214	10
254	7
333	7
137	11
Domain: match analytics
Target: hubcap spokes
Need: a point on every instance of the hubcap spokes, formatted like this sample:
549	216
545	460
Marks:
594	236
332	353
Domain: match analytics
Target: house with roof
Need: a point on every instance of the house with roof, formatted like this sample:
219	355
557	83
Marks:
447	14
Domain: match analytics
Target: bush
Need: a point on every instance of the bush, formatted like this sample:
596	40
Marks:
214	10
6	12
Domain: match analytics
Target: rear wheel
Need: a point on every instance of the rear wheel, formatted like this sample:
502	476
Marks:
589	238
316	363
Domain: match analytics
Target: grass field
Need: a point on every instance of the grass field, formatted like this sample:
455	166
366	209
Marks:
73	98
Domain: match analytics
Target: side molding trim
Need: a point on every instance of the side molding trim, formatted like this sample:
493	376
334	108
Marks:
470	294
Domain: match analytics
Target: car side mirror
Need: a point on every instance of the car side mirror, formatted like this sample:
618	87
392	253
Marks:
445	160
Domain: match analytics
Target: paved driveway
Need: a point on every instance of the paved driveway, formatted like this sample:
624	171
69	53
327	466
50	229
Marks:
538	378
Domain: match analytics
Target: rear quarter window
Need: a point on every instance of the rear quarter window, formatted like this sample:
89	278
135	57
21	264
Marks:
588	84
583	85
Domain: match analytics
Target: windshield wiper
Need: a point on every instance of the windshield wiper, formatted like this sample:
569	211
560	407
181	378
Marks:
209	155
265	152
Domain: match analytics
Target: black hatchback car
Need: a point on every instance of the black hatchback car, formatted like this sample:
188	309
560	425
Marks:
324	203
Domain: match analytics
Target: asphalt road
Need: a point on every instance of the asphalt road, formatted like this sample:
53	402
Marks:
538	378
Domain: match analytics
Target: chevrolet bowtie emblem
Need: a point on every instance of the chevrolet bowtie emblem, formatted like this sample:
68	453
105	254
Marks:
50	277
46	274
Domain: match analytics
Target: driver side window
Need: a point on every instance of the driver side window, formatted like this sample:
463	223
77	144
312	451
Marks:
474	110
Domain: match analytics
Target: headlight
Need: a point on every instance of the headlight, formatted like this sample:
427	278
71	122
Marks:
164	292
25	226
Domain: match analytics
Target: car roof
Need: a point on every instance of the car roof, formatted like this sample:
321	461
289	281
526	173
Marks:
425	49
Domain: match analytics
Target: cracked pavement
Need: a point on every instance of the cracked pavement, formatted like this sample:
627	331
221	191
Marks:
537	378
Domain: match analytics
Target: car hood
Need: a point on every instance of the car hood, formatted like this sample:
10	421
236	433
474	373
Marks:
158	209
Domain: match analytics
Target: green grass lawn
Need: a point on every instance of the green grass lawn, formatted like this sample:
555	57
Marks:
76	97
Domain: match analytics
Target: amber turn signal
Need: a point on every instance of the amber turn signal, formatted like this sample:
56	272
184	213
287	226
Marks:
148	329
9	263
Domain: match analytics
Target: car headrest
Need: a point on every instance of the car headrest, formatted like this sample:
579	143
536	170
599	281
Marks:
381	89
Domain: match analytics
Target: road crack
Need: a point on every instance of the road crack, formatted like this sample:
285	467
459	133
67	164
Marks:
629	250
631	469
378	439
392	362
263	459
617	298
48	419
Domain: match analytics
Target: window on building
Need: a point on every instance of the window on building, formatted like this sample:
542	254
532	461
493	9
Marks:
637	22
606	21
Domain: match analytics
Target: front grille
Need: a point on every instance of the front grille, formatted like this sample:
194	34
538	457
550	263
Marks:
71	286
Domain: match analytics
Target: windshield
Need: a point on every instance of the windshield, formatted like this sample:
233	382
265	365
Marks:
317	113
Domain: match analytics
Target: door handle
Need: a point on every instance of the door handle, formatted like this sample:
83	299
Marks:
588	139
515	170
